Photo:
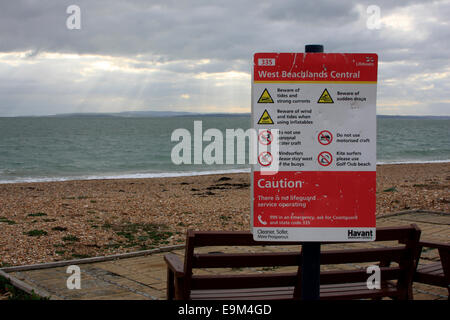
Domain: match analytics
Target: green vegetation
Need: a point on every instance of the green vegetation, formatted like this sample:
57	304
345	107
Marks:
7	221
36	233
16	294
37	214
80	256
142	235
393	189
70	238
59	229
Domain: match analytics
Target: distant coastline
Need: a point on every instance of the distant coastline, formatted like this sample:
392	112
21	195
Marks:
157	114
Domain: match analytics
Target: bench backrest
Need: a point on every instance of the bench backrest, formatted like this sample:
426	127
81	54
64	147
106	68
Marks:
402	251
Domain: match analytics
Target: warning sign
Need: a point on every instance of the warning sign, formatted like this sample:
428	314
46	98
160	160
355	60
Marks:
325	158
265	159
324	185
265	97
265	137
325	137
325	97
265	118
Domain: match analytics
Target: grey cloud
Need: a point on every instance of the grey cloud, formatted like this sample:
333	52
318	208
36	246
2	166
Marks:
170	37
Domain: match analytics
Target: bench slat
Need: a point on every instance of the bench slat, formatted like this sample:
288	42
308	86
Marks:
243	238
352	276
356	290
243	281
357	293
253	260
240	281
234	238
256	294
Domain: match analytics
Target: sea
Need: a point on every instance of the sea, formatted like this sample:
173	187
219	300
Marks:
35	149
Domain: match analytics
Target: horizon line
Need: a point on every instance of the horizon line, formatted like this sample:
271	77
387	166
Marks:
181	113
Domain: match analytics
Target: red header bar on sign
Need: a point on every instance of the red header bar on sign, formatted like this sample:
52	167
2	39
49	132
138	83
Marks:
315	67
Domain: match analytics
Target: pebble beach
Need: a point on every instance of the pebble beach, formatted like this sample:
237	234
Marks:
52	221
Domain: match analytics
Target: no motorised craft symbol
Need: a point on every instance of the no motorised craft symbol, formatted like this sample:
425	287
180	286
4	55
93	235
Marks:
325	137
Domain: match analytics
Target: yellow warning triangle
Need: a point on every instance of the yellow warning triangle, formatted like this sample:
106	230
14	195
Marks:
265	118
325	97
265	97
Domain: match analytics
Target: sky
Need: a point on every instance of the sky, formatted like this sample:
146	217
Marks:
196	56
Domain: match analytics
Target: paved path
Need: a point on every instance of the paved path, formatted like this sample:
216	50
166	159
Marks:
144	277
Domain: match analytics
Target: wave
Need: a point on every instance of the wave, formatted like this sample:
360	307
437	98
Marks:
125	176
173	174
411	161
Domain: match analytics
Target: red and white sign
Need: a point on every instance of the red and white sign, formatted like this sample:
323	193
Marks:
325	137
265	159
265	137
324	110
325	158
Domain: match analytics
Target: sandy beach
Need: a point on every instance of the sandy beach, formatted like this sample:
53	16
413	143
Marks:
43	222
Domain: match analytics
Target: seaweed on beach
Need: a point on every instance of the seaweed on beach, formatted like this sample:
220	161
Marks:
142	235
7	221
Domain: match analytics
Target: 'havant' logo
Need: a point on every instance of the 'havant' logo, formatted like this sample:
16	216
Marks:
360	234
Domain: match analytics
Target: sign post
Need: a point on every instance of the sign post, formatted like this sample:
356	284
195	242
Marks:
319	112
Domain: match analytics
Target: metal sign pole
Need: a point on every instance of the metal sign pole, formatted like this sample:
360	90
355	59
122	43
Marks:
310	269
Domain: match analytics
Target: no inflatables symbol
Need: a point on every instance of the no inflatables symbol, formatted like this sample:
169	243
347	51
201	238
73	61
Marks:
265	118
325	158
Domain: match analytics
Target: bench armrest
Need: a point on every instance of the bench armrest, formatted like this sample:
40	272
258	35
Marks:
174	264
435	245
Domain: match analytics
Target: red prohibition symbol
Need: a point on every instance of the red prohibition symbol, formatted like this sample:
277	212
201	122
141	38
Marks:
265	137
325	137
325	158
265	158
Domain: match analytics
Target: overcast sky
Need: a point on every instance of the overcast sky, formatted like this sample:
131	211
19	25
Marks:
196	55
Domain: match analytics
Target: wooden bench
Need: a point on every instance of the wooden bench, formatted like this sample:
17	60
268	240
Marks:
436	273
396	279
